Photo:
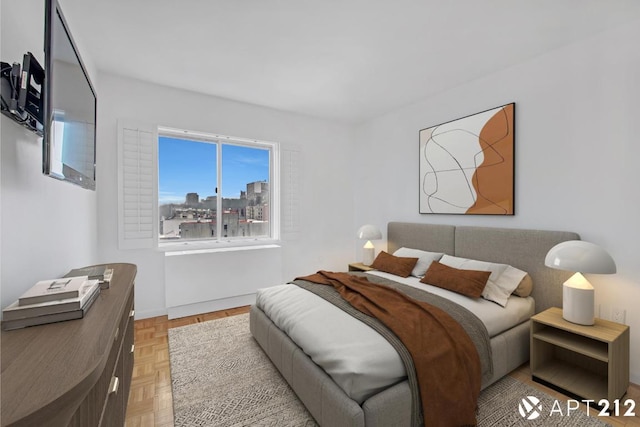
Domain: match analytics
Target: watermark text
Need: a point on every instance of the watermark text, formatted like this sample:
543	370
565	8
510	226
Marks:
531	408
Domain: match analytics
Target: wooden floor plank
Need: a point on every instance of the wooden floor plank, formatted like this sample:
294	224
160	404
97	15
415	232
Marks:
151	399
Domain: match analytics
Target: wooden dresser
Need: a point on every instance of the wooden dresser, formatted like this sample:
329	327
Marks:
73	373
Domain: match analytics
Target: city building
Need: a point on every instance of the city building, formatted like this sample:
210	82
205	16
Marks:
192	199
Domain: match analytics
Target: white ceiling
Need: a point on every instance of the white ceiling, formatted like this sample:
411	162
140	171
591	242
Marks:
346	60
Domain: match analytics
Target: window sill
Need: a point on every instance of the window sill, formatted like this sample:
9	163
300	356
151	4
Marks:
193	248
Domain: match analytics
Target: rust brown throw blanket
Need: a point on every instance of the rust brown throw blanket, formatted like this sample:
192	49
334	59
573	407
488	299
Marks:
447	364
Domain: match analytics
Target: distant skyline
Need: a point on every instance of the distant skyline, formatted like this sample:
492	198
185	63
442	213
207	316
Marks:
188	166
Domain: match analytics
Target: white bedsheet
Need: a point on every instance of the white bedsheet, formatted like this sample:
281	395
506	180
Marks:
497	319
356	357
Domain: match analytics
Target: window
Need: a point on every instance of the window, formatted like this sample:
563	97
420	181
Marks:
215	188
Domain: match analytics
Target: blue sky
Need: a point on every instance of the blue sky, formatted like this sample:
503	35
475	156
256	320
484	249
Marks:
190	167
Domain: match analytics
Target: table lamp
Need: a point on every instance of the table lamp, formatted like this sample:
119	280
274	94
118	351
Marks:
577	293
369	232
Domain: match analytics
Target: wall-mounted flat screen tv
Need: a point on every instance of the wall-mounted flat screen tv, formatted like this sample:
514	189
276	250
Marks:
69	143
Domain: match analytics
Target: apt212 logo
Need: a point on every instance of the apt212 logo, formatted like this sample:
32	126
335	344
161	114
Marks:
530	408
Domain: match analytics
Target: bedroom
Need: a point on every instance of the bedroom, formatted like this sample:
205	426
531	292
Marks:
571	100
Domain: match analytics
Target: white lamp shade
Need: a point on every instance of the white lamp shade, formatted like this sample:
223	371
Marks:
369	232
576	255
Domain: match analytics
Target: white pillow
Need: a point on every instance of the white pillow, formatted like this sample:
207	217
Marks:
425	259
504	279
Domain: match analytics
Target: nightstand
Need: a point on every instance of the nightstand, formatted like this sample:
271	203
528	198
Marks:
590	362
358	266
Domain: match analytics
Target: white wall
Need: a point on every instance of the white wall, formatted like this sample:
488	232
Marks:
47	226
326	234
577	153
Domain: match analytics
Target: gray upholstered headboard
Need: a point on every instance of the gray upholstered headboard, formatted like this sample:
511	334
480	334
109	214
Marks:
523	249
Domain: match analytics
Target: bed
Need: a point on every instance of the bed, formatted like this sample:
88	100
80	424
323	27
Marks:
391	404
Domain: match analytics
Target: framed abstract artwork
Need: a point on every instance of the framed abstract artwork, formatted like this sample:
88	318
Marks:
467	165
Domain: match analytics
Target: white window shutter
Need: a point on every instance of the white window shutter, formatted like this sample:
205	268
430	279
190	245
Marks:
137	185
290	169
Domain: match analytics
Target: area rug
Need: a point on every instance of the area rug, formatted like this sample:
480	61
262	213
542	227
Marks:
221	377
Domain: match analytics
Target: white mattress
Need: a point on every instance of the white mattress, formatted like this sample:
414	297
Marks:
356	357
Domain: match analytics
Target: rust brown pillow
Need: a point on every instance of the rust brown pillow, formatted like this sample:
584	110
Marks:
400	266
466	282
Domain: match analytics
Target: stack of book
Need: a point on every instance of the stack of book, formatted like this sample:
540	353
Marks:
102	273
51	301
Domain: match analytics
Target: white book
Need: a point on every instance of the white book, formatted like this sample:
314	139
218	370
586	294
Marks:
8	325
95	272
106	279
16	311
52	290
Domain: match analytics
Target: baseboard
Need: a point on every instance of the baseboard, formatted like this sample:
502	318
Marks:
150	313
209	306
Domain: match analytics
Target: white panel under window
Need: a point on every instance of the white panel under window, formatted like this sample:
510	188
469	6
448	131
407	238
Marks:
193	279
137	185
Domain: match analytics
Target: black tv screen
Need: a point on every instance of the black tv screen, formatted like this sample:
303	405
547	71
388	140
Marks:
69	143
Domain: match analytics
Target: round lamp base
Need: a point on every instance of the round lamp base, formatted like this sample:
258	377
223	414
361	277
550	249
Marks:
578	305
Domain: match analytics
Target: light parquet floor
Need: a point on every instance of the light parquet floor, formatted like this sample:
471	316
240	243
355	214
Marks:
150	398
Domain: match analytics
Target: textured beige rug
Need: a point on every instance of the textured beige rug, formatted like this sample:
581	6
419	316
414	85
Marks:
221	377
